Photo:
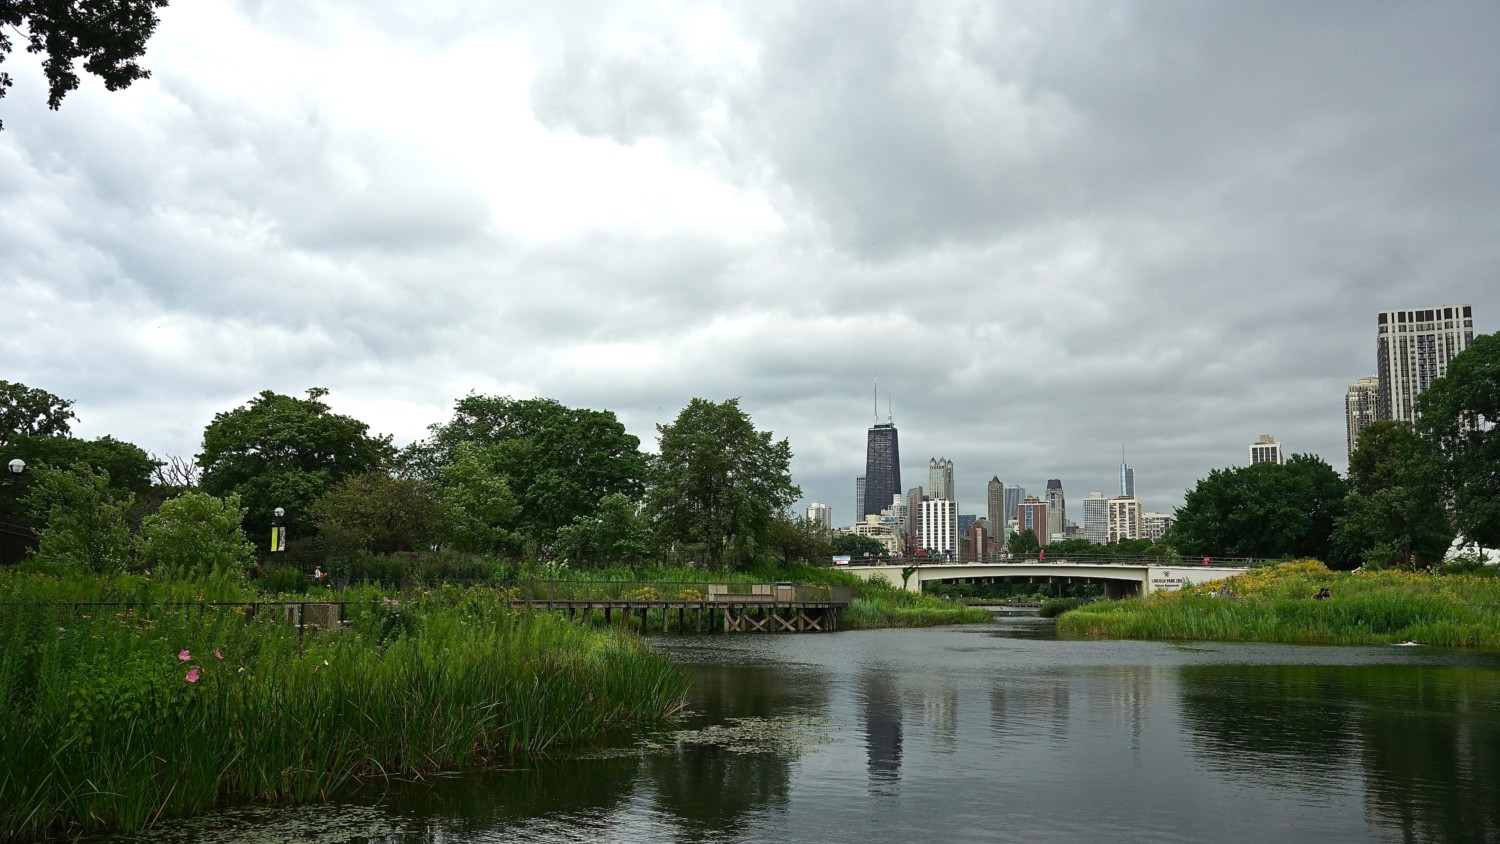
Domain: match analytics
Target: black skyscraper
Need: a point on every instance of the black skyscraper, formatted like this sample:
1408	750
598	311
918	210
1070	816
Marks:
882	469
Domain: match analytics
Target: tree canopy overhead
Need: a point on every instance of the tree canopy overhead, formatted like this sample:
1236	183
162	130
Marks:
718	481
559	462
280	451
107	36
1458	414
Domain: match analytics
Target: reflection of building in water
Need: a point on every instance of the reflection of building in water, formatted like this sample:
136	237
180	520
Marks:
881	700
1124	693
1023	708
940	716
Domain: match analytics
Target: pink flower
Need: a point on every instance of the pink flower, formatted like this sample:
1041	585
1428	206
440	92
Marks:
218	655
184	655
193	675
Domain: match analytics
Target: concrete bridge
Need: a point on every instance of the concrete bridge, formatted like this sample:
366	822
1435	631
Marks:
1121	579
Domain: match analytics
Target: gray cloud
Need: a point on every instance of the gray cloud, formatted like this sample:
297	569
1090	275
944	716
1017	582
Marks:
1049	229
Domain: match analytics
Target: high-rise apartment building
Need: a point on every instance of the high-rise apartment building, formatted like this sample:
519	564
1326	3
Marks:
994	511
940	478
1031	514
1057	509
1155	525
1266	450
1096	518
1413	349
820	514
1124	519
859	499
1361	407
940	526
882	469
1127	480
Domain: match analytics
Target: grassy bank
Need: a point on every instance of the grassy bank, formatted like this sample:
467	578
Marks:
1275	605
116	717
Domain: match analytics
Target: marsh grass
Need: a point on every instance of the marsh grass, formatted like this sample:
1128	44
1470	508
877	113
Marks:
1275	605
103	729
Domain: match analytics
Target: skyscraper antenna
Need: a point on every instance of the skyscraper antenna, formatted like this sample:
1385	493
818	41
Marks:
890	413
876	401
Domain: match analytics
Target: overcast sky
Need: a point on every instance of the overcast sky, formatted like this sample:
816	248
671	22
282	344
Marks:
1050	229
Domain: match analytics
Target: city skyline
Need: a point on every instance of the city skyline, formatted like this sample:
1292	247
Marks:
1174	226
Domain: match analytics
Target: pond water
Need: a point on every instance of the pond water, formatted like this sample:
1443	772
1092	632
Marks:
986	733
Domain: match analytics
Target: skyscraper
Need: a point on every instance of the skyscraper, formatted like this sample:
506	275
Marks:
882	468
1360	408
1266	450
859	498
821	515
940	478
1057	508
995	511
1127	477
1096	518
1412	349
1013	496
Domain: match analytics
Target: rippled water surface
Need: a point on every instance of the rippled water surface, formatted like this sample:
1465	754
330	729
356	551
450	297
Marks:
987	733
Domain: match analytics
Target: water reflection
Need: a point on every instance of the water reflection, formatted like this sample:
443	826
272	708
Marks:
879	699
1429	766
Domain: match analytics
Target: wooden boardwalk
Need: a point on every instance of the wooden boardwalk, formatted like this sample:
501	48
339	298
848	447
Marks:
706	607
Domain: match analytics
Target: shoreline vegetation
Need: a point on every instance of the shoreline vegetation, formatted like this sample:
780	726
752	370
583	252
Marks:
168	705
1276	604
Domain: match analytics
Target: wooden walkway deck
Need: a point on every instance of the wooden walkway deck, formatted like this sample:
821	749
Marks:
732	608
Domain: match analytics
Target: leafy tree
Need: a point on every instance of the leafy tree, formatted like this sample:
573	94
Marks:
280	451
1024	544
378	514
27	411
854	545
1395	510
83	519
559	462
717	480
1457	414
1074	548
128	467
479	507
614	535
795	538
195	533
1265	510
107	37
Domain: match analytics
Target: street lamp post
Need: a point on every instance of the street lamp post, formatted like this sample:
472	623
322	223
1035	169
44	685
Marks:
278	531
15	540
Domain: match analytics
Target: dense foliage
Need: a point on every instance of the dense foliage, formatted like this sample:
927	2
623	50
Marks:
1458	415
718	482
118	716
558	462
1265	510
280	451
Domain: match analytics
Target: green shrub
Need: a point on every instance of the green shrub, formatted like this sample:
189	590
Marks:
195	534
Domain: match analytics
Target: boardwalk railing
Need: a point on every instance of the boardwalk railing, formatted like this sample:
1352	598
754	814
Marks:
677	592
